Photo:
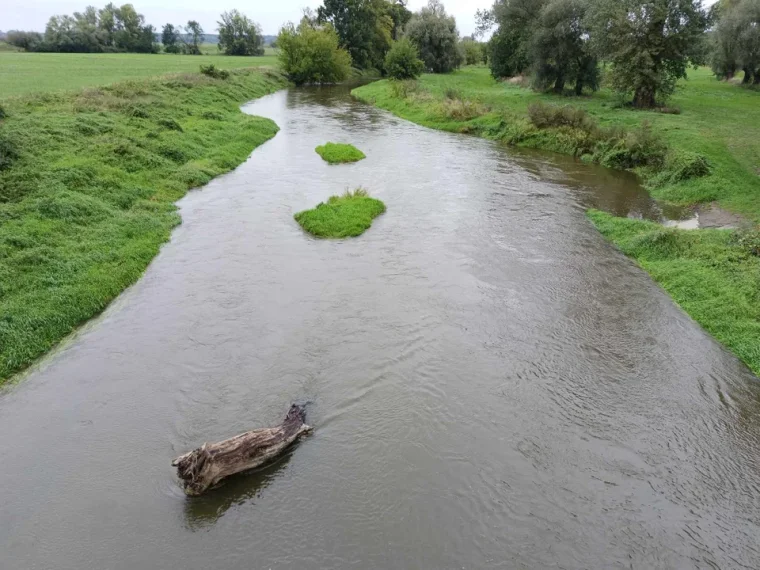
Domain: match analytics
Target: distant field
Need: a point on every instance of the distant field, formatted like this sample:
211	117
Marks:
22	73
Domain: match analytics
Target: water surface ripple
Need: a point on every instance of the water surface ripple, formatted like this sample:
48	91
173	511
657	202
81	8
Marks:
493	385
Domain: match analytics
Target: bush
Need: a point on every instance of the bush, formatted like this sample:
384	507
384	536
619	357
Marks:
403	61
403	89
545	116
748	240
8	153
312	55
212	70
3	112
461	109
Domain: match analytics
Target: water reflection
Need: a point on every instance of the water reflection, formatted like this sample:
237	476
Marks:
202	512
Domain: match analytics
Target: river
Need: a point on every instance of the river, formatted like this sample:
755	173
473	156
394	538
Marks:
493	385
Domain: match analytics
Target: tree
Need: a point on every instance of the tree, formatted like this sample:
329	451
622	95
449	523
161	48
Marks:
311	53
194	38
364	27
403	60
649	43
239	35
170	37
560	50
400	15
436	37
472	51
28	41
515	22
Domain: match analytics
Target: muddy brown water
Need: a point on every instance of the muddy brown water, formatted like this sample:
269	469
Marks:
492	384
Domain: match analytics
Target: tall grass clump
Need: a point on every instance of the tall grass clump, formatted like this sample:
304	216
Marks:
339	153
87	185
349	215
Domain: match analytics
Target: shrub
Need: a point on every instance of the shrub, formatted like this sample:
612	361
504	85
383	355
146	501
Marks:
682	165
8	152
748	240
461	109
312	55
545	116
212	70
403	89
403	61
3	112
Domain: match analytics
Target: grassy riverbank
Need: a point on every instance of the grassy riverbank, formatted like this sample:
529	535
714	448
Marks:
719	121
24	73
87	185
710	275
349	215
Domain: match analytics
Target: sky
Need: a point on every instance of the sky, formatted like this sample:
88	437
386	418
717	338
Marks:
271	14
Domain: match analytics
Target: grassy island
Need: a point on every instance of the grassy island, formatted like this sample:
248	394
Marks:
337	153
349	215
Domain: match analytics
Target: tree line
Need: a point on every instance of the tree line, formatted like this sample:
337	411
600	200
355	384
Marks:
736	40
123	29
372	34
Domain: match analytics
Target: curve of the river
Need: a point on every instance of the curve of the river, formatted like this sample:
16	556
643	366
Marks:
492	384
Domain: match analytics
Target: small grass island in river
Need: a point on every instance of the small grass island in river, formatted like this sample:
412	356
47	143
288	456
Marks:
349	215
338	153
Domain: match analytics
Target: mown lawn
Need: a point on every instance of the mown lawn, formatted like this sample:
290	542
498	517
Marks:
22	73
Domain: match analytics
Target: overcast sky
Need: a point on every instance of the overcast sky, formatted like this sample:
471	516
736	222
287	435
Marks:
271	14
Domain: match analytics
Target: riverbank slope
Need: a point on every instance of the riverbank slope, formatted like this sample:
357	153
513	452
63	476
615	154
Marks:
88	182
712	274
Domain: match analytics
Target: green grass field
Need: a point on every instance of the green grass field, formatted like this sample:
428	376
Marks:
23	73
349	215
88	181
707	272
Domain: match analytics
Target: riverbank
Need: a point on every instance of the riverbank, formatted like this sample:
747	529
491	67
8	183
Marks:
88	182
707	272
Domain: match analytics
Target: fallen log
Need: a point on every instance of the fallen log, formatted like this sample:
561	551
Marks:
206	466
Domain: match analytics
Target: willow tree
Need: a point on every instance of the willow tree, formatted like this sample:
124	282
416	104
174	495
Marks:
649	43
560	48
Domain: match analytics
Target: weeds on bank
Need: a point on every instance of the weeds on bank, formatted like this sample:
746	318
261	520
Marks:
87	185
349	215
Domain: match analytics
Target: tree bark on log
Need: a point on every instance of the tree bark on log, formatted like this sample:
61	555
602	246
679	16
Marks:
206	466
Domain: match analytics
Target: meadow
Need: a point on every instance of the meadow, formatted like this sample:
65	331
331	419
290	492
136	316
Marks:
712	274
24	73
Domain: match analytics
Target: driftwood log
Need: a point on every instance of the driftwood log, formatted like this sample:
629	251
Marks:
206	466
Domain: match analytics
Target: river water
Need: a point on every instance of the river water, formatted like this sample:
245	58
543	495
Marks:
492	384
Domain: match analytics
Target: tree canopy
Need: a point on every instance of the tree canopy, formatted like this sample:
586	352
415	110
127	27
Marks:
310	53
239	35
436	36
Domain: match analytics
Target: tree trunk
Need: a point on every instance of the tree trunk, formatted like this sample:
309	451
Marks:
579	87
756	81
206	466
747	76
644	98
559	84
